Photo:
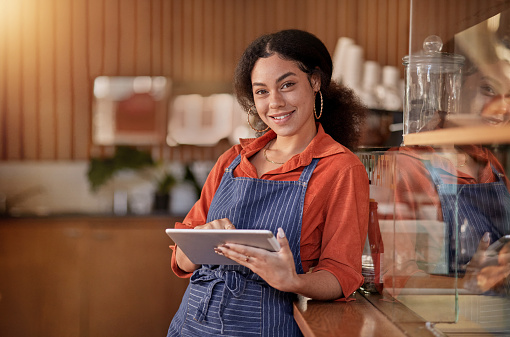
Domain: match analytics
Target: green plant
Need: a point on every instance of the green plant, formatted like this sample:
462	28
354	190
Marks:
165	183
101	170
189	176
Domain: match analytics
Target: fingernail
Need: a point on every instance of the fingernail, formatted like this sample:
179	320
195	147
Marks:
281	233
218	251
486	237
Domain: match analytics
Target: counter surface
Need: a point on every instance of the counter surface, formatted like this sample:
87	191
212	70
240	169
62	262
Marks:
355	318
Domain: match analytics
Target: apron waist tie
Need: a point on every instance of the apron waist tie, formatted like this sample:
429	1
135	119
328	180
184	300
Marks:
233	281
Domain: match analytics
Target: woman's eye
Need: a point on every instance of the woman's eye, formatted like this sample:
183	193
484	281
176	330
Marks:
487	90
260	92
287	85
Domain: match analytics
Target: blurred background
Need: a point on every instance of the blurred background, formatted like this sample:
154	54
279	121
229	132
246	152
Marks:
53	52
112	113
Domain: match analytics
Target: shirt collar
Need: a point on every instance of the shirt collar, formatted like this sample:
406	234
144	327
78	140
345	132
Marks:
322	145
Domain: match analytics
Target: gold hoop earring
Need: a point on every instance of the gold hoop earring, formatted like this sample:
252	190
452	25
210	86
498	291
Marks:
322	105
249	123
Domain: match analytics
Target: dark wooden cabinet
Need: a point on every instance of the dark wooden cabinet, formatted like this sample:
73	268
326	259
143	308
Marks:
87	276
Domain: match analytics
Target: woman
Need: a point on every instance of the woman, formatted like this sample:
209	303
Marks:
298	179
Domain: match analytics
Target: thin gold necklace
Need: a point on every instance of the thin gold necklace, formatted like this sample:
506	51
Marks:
267	159
465	161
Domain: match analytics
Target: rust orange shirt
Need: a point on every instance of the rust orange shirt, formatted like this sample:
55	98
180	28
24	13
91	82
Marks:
335	213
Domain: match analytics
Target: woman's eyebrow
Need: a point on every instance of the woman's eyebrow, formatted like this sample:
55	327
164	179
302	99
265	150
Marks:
279	79
490	79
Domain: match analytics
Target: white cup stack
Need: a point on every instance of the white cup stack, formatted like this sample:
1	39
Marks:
388	93
378	88
371	79
339	58
354	60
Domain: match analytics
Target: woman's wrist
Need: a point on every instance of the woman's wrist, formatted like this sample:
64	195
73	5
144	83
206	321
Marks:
183	262
321	285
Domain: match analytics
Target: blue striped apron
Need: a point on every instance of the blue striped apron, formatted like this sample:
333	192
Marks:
470	210
231	300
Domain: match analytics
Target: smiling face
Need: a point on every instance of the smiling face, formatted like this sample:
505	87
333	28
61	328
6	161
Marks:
487	93
284	96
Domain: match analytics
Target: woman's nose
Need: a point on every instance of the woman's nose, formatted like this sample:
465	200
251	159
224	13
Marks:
497	111
276	100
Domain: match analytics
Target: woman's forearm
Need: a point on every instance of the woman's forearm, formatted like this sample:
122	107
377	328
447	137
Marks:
321	285
184	262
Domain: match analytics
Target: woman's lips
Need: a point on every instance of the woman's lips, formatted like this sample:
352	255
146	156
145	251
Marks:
494	120
281	117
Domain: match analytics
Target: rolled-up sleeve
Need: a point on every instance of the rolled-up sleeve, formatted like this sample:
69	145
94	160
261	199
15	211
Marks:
345	217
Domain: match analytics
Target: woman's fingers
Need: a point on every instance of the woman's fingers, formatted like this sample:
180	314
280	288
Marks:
492	276
217	224
240	253
276	268
479	258
484	242
282	239
504	255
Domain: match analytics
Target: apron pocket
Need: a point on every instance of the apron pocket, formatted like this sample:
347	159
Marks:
223	314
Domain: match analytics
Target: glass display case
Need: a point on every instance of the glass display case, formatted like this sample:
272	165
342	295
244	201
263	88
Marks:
439	242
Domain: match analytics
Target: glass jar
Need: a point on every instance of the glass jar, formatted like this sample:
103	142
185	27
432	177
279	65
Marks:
432	91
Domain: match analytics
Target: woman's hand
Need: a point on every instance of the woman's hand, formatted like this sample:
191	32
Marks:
217	224
276	268
279	271
495	276
504	255
183	261
486	273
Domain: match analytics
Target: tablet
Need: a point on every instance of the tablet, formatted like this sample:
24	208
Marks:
199	244
492	253
495	247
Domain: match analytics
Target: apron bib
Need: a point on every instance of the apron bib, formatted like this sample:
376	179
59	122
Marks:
470	210
232	300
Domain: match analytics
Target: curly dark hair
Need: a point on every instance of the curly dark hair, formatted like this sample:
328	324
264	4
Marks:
343	113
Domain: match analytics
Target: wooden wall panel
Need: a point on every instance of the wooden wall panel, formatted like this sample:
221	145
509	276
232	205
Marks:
3	83
81	81
46	76
110	36
445	19
13	116
63	69
382	40
392	31
403	30
52	50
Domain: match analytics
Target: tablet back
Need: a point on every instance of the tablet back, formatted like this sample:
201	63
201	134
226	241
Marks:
199	244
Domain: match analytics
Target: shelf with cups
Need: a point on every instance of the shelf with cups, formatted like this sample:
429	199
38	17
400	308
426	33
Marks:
460	136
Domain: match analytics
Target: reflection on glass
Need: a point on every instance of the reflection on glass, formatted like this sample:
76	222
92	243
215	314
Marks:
445	215
486	83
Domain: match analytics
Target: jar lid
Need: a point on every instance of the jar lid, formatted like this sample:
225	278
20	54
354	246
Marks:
432	55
